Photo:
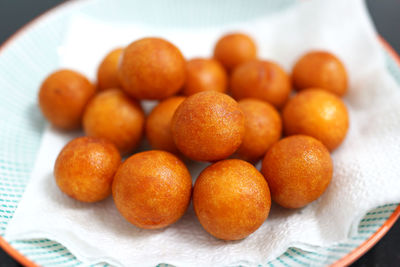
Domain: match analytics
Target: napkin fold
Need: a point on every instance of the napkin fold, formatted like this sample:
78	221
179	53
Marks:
365	166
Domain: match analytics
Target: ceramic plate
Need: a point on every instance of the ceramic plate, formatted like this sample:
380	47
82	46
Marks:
31	54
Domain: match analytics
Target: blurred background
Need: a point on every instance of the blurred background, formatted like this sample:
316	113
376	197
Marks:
386	16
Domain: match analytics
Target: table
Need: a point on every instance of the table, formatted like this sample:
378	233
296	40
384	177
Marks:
385	13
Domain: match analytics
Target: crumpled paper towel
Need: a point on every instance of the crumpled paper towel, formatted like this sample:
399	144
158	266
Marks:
366	165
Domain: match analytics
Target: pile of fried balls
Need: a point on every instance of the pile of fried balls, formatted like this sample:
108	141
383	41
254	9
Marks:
229	110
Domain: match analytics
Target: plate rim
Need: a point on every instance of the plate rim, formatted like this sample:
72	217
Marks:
344	261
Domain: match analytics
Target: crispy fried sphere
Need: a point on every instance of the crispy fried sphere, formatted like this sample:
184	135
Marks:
152	68
85	168
263	128
231	199
264	80
115	116
319	114
152	189
158	124
63	97
107	72
298	170
204	75
234	49
320	69
208	126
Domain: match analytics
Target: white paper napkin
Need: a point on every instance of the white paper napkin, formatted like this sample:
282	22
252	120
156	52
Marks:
366	165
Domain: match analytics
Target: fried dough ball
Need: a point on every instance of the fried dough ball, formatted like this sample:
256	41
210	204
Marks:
158	124
231	199
63	97
234	49
319	114
208	126
107	73
264	80
320	69
152	68
263	128
152	189
298	170
115	116
85	168
204	75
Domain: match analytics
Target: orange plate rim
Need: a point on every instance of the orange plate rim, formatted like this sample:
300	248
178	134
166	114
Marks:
346	260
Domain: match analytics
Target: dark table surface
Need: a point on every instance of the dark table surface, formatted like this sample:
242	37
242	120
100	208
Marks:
386	16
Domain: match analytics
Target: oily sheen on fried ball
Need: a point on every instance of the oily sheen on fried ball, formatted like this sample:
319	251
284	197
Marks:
231	199
152	189
107	72
320	69
204	75
158	124
85	168
263	128
234	49
152	68
298	170
63	97
261	79
317	113
113	115
208	126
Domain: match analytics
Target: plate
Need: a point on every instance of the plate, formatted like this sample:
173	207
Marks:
31	54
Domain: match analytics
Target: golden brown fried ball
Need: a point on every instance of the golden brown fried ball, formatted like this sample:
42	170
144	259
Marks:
320	69
152	68
63	97
85	168
115	116
107	73
231	199
263	128
264	80
234	49
208	126
298	170
319	114
152	189
158	124
204	75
